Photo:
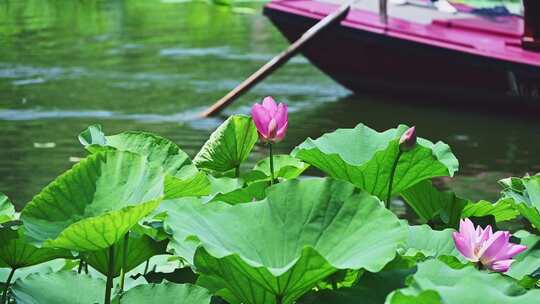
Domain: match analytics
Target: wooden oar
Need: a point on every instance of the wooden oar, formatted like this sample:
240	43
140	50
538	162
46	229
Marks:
279	60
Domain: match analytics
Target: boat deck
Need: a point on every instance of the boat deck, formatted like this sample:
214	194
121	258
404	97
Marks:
493	38
418	12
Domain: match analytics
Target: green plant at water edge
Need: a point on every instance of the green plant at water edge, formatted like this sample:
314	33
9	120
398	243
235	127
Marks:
138	221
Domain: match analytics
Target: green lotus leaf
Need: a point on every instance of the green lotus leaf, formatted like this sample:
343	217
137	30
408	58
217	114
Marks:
371	288
43	268
224	184
186	180
140	248
16	252
156	148
340	279
215	286
195	185
430	203
166	293
365	158
429	243
285	167
424	297
503	210
91	206
58	287
93	135
257	284
527	262
302	232
7	210
229	145
252	192
437	283
181	245
525	192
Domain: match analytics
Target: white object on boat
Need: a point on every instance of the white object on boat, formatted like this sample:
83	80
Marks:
398	2
445	6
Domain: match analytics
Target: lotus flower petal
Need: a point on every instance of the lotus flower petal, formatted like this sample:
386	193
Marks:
270	105
261	118
281	132
502	265
510	251
465	247
281	114
493	246
466	229
485	233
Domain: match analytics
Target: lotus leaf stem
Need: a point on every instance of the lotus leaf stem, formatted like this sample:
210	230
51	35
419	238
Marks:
272	179
124	258
237	171
81	265
391	181
110	276
146	266
334	283
6	288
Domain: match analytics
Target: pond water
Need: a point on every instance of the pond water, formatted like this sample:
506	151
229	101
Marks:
151	65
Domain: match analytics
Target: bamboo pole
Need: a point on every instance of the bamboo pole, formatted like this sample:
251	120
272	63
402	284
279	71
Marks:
279	60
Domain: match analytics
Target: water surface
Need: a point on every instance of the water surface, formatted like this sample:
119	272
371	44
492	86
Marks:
151	65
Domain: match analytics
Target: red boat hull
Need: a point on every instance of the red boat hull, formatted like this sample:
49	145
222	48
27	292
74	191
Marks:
366	60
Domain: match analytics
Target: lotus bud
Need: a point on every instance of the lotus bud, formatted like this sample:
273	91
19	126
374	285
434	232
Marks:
408	140
271	120
491	250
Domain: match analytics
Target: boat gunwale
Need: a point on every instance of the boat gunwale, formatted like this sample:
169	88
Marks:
393	31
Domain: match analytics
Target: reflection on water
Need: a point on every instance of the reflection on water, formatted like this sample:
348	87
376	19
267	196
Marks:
151	65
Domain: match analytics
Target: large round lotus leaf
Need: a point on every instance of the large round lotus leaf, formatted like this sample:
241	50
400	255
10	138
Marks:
140	248
365	158
7	210
229	145
527	262
183	178
16	252
43	268
285	167
430	203
429	243
280	247
156	148
195	185
437	283
59	287
93	204
525	193
166	293
371	288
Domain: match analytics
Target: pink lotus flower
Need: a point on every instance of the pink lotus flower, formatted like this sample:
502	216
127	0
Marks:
271	120
492	250
408	139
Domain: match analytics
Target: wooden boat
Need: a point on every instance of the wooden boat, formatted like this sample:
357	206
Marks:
420	50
